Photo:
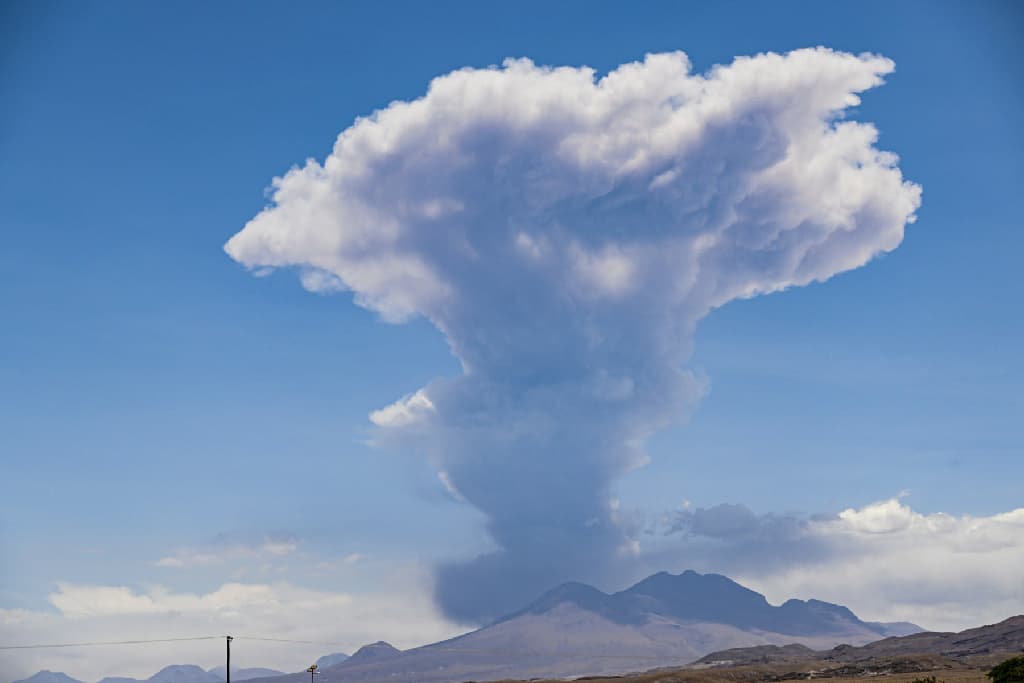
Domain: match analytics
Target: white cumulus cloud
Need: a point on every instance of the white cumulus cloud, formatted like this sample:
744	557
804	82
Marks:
404	412
404	615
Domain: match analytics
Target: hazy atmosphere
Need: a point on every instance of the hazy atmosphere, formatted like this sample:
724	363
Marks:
341	323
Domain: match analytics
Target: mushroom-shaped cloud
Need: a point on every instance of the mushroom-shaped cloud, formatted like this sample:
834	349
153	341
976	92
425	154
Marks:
566	233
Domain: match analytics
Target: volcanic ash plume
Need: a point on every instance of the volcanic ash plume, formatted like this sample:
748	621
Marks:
566	233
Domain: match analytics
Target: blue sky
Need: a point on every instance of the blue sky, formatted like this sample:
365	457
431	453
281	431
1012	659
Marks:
156	397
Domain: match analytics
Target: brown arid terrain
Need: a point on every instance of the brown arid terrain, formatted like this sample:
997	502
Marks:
895	670
955	673
963	657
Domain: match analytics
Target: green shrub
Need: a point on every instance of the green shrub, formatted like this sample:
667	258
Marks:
1010	671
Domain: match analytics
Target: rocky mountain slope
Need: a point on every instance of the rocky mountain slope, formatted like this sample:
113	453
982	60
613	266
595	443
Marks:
990	642
331	659
576	629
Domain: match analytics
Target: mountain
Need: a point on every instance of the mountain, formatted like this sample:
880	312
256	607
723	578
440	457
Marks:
1004	638
179	673
759	654
175	674
46	676
577	630
896	628
244	674
374	652
183	673
666	620
965	656
188	673
712	598
331	660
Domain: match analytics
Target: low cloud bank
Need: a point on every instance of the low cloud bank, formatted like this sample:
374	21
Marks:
884	560
404	615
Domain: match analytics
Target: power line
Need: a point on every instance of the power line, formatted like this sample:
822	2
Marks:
288	640
37	646
465	650
473	650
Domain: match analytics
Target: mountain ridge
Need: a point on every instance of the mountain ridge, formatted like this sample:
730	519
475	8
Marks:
576	629
331	659
991	640
47	676
707	597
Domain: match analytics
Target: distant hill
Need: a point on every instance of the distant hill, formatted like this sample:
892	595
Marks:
183	673
46	676
963	657
188	673
896	628
176	673
244	674
331	660
1004	639
760	654
373	653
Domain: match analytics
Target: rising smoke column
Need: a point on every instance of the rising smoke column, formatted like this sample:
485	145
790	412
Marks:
566	233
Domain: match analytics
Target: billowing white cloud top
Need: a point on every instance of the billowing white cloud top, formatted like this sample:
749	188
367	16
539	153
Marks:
566	233
650	181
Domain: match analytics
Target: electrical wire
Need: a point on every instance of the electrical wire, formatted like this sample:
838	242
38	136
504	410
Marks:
37	646
287	640
471	650
456	650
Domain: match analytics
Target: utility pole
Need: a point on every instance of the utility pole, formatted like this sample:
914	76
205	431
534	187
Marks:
227	668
